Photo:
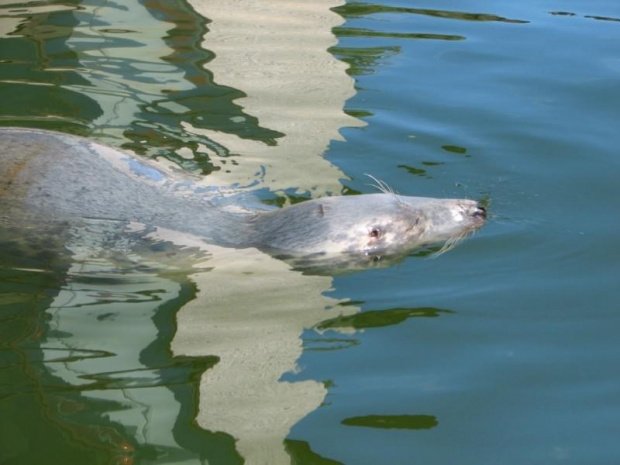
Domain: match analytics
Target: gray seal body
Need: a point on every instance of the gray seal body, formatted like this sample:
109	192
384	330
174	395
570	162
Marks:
50	177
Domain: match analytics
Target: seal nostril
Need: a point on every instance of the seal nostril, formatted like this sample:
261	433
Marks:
481	212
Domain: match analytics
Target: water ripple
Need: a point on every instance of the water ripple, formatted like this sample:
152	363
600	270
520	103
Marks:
356	10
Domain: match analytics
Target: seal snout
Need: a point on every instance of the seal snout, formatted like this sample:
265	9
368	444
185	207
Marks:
480	212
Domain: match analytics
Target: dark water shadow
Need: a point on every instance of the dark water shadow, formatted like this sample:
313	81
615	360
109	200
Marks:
413	422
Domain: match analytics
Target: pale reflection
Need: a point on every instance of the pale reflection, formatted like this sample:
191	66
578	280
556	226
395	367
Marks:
250	311
277	54
100	324
123	75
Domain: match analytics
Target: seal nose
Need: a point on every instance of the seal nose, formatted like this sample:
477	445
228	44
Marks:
480	212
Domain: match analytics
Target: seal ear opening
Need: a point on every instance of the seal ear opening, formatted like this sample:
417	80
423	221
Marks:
321	210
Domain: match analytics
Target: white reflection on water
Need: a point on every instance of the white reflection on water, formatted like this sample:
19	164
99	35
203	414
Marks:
277	53
250	309
106	309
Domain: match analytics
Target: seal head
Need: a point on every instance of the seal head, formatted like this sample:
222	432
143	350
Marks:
374	225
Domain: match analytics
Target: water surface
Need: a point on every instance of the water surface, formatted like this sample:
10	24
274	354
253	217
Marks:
501	351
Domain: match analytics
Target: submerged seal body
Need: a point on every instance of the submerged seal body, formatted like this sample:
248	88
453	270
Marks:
50	177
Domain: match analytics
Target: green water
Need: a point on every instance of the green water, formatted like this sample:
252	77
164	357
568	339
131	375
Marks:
504	350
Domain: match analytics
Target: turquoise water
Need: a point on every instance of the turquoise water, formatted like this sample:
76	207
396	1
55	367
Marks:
503	350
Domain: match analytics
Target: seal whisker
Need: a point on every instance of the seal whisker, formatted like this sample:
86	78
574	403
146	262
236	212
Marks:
385	189
451	243
380	185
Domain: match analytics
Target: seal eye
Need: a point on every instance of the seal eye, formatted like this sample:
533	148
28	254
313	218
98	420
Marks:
375	233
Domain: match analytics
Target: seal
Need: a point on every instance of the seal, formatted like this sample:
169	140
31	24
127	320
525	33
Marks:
49	177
